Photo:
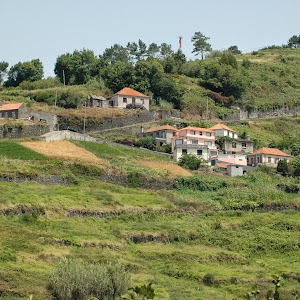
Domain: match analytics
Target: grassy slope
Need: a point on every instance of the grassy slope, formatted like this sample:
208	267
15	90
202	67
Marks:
192	235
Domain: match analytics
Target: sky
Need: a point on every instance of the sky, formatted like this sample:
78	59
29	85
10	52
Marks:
46	29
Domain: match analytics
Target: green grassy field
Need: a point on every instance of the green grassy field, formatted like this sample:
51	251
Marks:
237	235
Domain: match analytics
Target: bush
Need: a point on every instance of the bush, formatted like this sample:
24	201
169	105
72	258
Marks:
147	142
76	280
190	161
198	183
209	279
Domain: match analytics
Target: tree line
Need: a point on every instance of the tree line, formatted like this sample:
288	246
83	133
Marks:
146	68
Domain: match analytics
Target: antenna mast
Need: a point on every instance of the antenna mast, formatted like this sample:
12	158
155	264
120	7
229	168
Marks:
180	42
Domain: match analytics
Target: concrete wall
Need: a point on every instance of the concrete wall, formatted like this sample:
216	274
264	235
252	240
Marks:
50	119
263	113
66	135
235	170
12	132
140	117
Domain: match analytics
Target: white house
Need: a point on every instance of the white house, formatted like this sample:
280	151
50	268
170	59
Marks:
223	130
194	140
129	96
162	134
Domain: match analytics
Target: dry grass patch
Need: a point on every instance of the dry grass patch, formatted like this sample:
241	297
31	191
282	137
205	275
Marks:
172	168
64	150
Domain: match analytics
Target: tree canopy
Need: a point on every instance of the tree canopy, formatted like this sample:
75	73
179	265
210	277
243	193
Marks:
3	70
26	71
201	46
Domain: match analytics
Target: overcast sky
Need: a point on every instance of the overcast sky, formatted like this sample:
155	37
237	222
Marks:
45	29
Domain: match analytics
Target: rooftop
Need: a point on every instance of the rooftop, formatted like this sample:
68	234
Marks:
10	106
130	92
220	126
270	151
163	127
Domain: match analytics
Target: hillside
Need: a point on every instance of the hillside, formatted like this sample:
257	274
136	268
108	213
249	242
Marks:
216	241
204	89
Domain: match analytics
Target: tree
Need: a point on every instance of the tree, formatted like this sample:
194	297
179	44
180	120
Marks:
116	53
234	50
147	142
153	50
228	58
165	50
118	75
282	167
201	46
27	71
3	70
222	78
294	41
190	161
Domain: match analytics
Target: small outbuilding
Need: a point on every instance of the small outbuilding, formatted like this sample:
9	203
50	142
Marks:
14	110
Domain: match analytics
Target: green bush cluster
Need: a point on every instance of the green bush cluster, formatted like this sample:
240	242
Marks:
199	183
77	280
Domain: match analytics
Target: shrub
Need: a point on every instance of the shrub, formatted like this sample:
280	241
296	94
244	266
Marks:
199	183
190	161
209	279
76	280
147	142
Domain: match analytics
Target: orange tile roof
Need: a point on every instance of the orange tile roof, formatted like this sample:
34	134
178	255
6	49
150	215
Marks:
130	92
197	129
222	165
270	151
10	106
221	126
163	127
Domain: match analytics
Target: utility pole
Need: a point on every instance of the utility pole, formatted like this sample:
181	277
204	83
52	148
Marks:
64	78
84	117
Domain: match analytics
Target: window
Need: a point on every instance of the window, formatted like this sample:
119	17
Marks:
257	159
142	101
244	145
200	132
233	145
199	152
193	132
174	133
208	133
276	160
124	100
269	159
194	142
184	151
208	143
178	142
163	134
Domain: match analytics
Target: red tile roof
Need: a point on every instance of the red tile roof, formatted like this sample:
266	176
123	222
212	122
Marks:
10	106
130	92
270	151
163	127
222	165
220	127
197	129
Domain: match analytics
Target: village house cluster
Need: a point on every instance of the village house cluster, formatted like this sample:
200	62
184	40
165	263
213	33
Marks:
233	156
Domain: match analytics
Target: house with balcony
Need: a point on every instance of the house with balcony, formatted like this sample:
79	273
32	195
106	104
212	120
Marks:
223	130
130	98
237	146
194	140
162	134
267	156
